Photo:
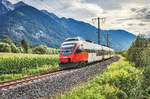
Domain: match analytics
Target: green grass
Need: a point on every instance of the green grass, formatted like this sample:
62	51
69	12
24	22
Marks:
119	81
14	66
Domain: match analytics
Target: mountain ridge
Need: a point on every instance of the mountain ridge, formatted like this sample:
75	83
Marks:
5	6
43	27
19	4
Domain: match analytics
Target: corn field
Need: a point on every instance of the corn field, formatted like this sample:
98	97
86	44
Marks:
19	65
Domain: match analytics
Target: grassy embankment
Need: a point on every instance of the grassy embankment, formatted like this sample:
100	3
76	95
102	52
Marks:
120	80
14	66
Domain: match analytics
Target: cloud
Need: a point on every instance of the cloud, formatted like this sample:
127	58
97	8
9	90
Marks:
130	15
133	17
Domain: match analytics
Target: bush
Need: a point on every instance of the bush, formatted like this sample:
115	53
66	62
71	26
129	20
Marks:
4	47
23	47
124	77
122	52
20	50
14	49
146	93
146	79
121	95
7	40
40	49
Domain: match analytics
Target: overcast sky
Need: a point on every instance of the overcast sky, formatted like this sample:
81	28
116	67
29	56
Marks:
130	15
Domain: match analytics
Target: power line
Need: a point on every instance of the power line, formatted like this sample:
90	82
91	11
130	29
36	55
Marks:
99	22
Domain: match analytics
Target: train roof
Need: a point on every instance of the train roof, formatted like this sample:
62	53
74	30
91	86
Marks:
74	39
81	39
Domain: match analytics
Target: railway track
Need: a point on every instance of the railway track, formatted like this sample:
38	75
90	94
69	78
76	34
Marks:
20	81
50	84
12	83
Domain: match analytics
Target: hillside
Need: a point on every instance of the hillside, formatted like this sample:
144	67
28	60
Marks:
31	24
5	6
42	27
119	39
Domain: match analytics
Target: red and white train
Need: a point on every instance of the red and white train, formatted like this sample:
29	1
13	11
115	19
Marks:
75	52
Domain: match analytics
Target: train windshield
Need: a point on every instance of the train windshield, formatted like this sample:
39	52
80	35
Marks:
71	40
67	49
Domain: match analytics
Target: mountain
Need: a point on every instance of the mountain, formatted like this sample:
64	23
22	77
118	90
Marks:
43	27
19	4
119	39
52	15
87	31
5	6
29	23
82	29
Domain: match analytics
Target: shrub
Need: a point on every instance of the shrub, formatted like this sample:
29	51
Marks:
20	50
14	49
146	93
146	79
122	52
125	78
7	40
4	47
40	49
121	95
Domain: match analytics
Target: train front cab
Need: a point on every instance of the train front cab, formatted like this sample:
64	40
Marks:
74	59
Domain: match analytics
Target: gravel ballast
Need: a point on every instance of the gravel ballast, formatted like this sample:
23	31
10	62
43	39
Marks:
54	84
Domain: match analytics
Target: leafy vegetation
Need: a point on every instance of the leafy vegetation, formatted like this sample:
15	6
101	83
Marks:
122	52
119	81
6	45
14	66
139	52
139	55
13	47
25	45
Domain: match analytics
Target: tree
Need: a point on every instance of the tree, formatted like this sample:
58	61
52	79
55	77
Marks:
14	49
40	49
25	45
4	47
135	52
7	40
